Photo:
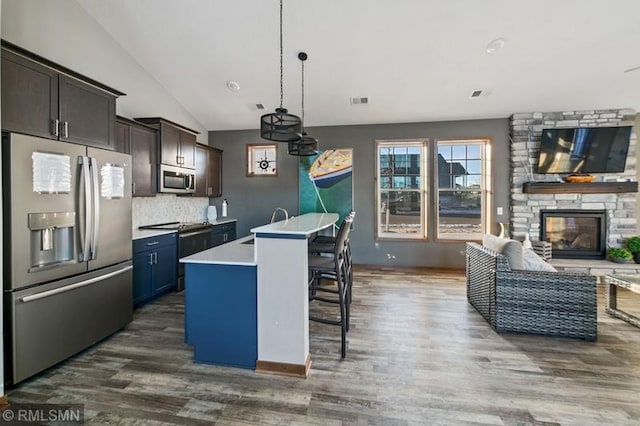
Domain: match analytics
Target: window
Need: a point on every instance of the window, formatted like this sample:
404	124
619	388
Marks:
400	189
459	202
463	189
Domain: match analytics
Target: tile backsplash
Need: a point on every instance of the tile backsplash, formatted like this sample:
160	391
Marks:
168	208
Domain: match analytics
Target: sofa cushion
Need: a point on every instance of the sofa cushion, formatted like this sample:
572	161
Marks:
511	249
533	262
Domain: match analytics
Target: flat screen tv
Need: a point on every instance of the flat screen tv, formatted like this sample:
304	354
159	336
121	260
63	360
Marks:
584	150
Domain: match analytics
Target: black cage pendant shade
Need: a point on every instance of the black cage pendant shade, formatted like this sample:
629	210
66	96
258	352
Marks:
280	126
308	145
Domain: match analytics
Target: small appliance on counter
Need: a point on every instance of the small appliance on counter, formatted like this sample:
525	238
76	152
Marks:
212	213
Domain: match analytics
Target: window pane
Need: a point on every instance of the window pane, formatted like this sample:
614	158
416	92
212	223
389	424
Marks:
445	151
458	152
400	212
474	167
473	151
399	182
460	214
474	181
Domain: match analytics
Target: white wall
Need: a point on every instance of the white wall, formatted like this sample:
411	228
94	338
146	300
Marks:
63	32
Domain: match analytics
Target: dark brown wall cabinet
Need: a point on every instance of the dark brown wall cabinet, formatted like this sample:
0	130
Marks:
39	100
177	143
208	171
140	141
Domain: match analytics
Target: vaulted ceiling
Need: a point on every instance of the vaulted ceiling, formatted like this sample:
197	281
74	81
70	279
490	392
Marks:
415	60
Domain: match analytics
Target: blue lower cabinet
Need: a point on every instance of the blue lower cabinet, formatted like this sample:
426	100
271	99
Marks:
221	314
155	266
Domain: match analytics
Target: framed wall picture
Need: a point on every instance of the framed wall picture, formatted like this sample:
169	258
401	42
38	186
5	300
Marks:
261	160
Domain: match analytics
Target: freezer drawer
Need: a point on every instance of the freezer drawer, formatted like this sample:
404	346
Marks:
52	322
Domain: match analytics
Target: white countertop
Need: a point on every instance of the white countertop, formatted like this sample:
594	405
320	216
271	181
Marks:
231	253
222	220
146	233
305	224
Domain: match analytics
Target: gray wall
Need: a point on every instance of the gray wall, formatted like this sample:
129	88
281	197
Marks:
252	199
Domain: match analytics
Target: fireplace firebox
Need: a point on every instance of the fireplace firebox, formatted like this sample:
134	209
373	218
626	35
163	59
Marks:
575	234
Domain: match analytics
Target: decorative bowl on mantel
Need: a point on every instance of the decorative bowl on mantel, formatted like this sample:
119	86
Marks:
579	178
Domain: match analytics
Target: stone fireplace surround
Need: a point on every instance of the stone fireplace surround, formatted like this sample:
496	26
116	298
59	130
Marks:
525	132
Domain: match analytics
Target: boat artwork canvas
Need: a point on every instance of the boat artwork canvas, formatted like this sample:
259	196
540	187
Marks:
326	182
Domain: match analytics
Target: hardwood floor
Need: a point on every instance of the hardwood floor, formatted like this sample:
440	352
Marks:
418	353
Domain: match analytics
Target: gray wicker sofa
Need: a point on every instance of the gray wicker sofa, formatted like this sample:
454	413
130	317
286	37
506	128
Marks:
548	303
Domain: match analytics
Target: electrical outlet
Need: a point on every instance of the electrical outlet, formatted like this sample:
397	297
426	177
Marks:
500	211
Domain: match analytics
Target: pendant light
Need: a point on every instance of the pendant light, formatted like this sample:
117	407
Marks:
280	126
308	145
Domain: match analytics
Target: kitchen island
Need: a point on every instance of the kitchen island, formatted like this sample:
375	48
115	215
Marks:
246	302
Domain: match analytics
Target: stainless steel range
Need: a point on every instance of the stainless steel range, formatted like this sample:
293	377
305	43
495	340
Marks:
193	237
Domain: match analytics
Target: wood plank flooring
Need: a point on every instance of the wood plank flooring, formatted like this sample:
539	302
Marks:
418	353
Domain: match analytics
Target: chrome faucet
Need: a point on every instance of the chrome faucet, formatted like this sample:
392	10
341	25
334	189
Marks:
276	210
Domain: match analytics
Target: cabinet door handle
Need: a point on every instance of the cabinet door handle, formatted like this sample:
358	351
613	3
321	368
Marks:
155	257
55	127
66	129
155	243
150	258
133	188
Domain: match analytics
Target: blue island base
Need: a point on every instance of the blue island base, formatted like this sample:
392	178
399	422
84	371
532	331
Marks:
221	314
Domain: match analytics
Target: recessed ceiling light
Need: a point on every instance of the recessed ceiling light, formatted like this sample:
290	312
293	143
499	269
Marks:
233	85
495	45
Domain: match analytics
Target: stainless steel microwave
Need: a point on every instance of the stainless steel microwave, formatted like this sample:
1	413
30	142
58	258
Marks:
176	180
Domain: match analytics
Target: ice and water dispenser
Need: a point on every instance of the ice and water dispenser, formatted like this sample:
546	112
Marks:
52	238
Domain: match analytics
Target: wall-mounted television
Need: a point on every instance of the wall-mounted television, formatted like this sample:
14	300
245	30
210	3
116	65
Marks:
584	150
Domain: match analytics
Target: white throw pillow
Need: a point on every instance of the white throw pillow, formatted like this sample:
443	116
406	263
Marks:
511	249
533	262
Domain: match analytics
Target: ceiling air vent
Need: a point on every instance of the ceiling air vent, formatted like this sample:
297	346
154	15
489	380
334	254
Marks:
259	106
478	93
359	100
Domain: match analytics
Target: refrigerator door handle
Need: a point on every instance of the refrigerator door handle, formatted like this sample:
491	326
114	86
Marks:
96	208
86	218
70	287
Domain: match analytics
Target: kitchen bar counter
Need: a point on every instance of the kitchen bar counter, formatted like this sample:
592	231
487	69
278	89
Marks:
303	225
238	252
281	251
246	305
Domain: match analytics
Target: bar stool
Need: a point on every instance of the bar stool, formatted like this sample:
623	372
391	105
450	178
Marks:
326	268
323	244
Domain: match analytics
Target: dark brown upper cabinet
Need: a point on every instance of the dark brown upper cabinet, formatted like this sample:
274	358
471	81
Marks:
41	98
208	171
177	143
122	136
87	114
140	141
29	96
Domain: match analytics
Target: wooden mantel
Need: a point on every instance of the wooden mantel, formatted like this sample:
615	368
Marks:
579	188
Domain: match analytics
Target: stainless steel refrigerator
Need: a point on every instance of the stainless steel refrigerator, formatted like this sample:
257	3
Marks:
67	250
